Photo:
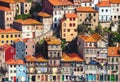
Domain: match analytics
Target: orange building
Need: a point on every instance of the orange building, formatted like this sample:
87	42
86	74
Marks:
69	27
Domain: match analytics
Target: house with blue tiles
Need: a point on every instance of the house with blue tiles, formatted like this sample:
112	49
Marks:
20	49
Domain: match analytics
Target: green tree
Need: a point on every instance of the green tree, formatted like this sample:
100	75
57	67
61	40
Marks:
99	29
82	29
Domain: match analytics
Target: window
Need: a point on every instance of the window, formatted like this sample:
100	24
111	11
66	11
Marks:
68	30
80	14
16	35
94	20
19	35
2	36
25	11
117	10
64	24
71	34
2	41
70	25
6	36
7	41
115	17
102	10
11	36
70	19
94	14
54	52
74	24
33	46
64	30
73	19
106	10
64	35
75	30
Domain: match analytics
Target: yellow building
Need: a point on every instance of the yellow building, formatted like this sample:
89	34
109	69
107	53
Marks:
87	16
9	35
69	27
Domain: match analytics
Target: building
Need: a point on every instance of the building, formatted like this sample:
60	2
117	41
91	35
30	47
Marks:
115	12
104	9
18	6
29	46
77	3
46	20
9	35
54	55
20	49
87	16
7	52
69	26
6	17
94	48
72	67
89	3
16	70
57	8
30	28
113	64
37	69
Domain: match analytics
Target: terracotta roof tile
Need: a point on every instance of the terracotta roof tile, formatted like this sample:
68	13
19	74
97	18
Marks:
96	36
15	62
66	58
53	40
86	9
30	58
114	51
115	1
9	30
41	59
76	57
85	1
17	40
44	14
104	4
60	2
2	8
71	57
13	1
28	21
70	15
87	38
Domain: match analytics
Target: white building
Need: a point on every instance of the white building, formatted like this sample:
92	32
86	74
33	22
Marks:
90	3
104	8
115	9
57	8
30	28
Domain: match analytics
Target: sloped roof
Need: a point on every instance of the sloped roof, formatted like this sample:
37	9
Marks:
9	30
6	46
87	38
15	62
104	4
43	14
113	51
71	15
115	1
60	2
28	21
53	40
86	9
13	1
2	8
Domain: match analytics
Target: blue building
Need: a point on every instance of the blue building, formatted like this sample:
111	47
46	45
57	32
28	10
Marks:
20	49
104	8
21	75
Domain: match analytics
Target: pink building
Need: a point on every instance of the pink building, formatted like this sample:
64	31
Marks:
29	46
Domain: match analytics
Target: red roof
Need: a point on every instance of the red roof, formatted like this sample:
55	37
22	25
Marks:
113	51
115	1
104	4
